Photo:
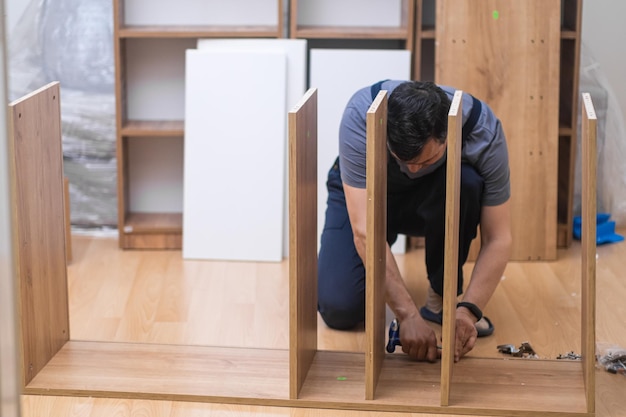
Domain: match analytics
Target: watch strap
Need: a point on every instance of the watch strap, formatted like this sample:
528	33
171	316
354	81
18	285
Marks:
473	308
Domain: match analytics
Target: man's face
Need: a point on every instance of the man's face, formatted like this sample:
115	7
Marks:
432	152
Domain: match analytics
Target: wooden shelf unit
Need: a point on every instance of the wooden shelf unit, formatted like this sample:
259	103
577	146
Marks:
227	375
416	32
53	364
158	229
378	381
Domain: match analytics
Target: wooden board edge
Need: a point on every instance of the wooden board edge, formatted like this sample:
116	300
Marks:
320	399
589	160
302	120
451	251
376	240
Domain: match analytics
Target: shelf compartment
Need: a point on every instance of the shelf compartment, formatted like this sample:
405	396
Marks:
199	18
372	20
152	231
153	223
212	31
151	37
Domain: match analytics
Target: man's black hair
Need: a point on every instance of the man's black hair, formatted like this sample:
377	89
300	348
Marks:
417	111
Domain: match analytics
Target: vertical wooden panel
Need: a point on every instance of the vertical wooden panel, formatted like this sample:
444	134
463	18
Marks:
39	219
589	210
302	240
10	389
68	219
293	20
451	245
507	53
119	46
417	41
376	244
408	22
280	30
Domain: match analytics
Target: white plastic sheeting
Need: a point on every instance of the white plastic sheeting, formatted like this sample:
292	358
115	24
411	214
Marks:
71	41
611	142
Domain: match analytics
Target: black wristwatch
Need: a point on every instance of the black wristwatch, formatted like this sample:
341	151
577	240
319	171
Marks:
473	308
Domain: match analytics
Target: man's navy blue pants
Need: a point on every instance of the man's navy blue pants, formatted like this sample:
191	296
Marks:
414	208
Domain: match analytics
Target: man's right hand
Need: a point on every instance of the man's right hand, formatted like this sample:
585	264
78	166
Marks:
418	339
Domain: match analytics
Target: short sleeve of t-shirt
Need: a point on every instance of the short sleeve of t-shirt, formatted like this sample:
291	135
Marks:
353	135
352	142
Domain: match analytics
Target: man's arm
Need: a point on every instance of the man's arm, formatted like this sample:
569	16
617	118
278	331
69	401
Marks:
495	227
417	338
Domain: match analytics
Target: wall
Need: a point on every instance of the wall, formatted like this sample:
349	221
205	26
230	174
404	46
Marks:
80	57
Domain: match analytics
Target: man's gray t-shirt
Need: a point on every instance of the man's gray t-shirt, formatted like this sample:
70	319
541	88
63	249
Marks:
485	147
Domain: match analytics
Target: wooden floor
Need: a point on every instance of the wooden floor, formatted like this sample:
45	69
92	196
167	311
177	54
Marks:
144	297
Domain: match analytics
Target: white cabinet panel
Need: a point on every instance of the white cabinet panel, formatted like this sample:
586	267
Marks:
296	52
234	155
337	74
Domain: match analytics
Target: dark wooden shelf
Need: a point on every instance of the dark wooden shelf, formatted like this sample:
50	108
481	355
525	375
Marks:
349	32
565	131
428	33
568	34
152	231
153	223
143	128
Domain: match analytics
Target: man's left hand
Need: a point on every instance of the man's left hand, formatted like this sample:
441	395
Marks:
466	333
